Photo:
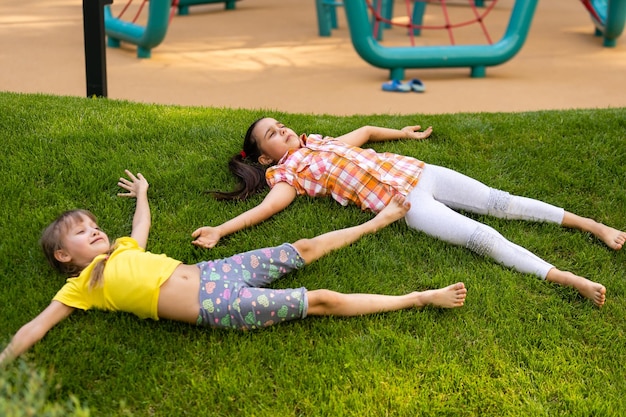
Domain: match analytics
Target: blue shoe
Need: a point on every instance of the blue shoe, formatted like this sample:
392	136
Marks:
396	85
417	85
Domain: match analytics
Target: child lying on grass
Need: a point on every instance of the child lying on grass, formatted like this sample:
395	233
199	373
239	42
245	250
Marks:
320	166
226	293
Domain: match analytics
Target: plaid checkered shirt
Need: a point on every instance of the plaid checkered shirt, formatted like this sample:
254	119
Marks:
329	167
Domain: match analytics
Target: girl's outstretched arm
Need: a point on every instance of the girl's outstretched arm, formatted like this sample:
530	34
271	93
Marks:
312	249
365	134
276	200
137	187
35	330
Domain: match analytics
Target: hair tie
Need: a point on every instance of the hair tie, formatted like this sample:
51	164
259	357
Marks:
243	154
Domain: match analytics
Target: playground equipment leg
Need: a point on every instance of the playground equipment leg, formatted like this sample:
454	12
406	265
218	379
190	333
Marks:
183	5
143	52
419	7
609	17
478	71
386	11
615	17
326	16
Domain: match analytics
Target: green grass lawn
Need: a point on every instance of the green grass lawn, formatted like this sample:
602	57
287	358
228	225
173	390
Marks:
520	346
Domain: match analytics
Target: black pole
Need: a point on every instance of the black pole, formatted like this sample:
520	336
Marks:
95	51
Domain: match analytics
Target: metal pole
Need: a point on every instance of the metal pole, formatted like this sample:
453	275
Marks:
95	51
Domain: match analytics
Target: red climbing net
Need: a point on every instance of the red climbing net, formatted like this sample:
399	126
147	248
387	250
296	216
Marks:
141	7
479	14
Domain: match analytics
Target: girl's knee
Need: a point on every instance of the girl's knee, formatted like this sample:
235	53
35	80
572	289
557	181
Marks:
302	245
322	302
305	248
484	240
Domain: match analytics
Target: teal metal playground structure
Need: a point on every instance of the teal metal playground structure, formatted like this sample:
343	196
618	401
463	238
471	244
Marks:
183	5
145	37
151	34
608	16
477	57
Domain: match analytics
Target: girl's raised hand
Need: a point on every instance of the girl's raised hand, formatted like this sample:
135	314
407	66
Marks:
413	132
137	185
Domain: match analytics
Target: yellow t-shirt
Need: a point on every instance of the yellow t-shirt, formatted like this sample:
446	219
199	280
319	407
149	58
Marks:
131	282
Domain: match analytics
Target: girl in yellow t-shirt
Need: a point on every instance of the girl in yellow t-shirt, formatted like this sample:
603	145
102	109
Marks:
221	293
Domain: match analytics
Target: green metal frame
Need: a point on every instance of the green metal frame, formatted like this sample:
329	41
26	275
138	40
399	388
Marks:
152	34
183	5
611	15
477	57
145	37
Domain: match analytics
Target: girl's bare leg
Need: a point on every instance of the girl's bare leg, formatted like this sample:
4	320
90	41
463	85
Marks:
314	248
331	303
613	238
588	289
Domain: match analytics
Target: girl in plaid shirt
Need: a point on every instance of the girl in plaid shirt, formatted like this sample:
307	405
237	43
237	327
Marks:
313	165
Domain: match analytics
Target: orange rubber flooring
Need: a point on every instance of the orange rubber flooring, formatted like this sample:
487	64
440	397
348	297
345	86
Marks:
266	54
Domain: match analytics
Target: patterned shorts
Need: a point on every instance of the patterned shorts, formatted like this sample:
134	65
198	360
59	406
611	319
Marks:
231	295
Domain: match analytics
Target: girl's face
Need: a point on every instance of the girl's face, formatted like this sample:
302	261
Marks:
82	242
274	140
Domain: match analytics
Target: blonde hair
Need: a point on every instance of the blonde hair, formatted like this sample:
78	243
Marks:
52	241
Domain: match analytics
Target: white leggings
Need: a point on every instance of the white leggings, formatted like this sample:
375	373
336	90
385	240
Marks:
440	191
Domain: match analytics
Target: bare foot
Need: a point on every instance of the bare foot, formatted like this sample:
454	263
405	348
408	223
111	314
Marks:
447	297
593	291
613	238
395	210
589	289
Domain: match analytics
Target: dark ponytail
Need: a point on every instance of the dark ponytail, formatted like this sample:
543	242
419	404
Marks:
245	166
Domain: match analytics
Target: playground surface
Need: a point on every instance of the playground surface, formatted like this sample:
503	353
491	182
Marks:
266	54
